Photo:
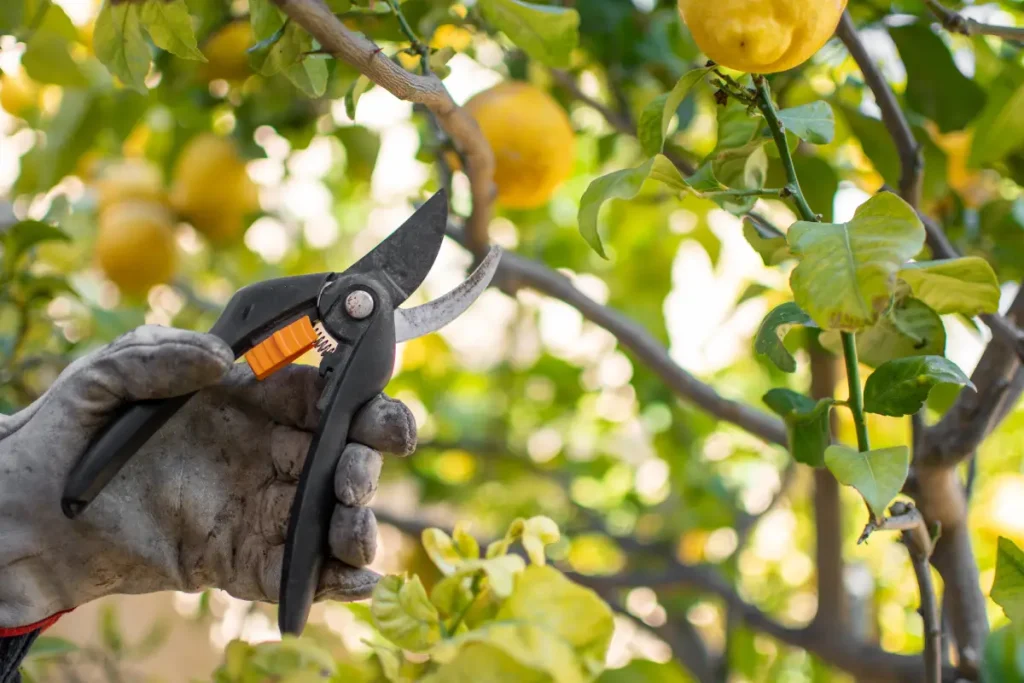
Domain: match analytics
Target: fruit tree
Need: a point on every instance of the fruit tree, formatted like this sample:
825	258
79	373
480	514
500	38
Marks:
743	403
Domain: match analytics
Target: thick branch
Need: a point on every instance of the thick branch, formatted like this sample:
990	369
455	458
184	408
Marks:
954	22
363	54
911	159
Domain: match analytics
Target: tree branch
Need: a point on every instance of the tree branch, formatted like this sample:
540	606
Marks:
364	55
911	159
919	544
954	22
517	271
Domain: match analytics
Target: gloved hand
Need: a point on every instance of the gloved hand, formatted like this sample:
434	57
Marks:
204	503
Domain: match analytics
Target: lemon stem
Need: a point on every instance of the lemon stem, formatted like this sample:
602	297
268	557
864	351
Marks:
778	130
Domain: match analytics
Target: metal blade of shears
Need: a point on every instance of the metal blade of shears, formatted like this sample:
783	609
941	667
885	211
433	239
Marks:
433	315
403	260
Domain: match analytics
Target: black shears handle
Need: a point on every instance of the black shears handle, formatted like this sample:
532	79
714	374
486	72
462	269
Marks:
251	314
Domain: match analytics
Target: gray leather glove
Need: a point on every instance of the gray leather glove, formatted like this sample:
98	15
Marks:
204	504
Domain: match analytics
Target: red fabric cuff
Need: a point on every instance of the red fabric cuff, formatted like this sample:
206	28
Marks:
38	626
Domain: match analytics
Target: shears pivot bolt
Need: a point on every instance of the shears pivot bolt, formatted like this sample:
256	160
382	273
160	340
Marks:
359	304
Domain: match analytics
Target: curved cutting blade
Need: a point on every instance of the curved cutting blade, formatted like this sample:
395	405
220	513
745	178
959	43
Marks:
403	260
433	315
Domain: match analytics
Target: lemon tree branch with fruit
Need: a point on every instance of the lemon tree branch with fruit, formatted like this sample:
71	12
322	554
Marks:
696	201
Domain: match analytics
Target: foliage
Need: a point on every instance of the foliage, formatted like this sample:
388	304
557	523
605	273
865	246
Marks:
492	618
618	413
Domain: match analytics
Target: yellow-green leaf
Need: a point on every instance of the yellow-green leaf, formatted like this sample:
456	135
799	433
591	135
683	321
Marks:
813	122
847	272
465	543
546	598
878	475
965	285
404	614
900	387
170	26
121	45
477	662
441	550
909	328
1008	586
537	533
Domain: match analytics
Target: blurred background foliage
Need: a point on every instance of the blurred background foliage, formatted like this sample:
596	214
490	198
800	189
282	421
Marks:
524	408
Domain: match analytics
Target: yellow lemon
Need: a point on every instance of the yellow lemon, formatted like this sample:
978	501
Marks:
226	52
532	138
761	36
18	93
449	35
129	179
212	189
135	245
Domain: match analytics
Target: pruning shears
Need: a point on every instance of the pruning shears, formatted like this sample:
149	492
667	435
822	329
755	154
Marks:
352	318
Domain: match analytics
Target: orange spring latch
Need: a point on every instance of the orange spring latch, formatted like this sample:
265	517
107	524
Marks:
281	348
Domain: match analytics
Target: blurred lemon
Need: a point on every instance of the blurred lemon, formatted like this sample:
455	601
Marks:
18	93
533	141
761	36
129	179
212	189
448	35
226	52
135	245
972	185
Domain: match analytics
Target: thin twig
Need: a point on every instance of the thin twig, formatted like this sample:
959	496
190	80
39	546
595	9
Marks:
911	159
955	22
362	53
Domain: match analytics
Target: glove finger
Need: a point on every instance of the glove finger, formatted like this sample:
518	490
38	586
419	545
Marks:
355	479
150	362
386	425
288	449
353	535
338	581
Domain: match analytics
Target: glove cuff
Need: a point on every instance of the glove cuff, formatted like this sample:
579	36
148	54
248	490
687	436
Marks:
15	644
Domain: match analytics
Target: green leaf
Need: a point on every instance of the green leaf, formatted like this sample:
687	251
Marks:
909	328
624	184
1004	655
121	45
935	86
966	285
404	614
538	532
47	60
847	272
878	475
901	386
280	44
769	244
655	118
170	26
546	33
465	543
45	647
309	76
355	91
813	122
999	130
807	423
529	646
110	630
1008	586
24	235
11	13
774	328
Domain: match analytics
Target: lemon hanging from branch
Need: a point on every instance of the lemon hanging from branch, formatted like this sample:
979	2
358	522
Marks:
761	36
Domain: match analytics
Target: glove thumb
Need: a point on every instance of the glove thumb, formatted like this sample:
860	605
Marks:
150	362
